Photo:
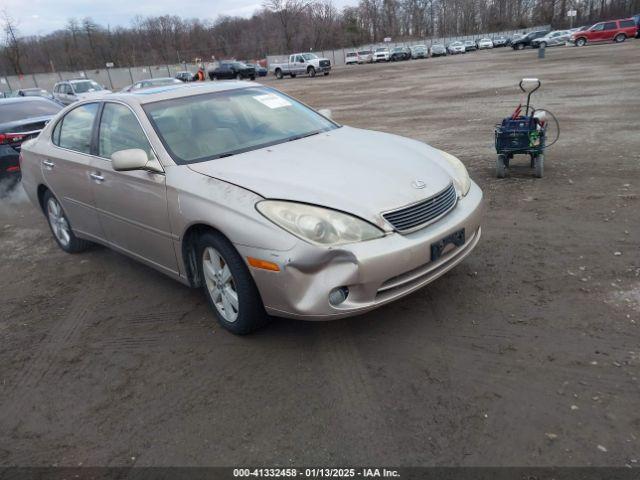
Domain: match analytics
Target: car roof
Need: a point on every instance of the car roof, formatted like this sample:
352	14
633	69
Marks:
167	92
6	101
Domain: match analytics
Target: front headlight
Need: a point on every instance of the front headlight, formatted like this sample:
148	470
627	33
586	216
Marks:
461	180
316	224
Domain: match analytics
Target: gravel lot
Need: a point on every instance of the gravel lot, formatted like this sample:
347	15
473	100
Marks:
528	353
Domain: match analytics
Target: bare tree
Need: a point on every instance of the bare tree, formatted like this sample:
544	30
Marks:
12	49
289	13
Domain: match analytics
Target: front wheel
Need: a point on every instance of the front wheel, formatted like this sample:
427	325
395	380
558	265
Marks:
519	46
543	44
228	285
621	37
60	226
311	71
538	165
501	166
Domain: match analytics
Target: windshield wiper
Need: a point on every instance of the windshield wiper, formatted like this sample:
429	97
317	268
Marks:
305	135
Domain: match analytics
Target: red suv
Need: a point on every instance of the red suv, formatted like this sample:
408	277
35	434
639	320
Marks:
616	30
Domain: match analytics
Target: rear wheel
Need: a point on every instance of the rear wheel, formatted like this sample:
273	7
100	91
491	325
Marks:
279	74
581	42
228	285
519	46
311	71
543	44
538	165
60	226
501	166
621	37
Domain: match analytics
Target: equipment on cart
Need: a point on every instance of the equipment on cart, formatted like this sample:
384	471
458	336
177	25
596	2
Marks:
524	134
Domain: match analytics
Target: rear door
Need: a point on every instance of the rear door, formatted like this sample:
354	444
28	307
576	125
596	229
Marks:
67	167
610	30
132	205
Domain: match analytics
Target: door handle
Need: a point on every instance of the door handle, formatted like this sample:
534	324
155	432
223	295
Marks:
48	164
97	177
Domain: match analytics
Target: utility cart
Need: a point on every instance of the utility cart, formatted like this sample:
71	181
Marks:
522	134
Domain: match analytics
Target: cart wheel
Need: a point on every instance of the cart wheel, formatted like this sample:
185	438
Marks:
501	166
538	165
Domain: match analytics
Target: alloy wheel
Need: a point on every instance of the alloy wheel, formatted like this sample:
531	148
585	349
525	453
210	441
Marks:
221	284
58	222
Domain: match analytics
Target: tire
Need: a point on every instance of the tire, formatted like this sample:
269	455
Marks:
60	226
621	37
538	166
293	75
311	72
253	77
213	78
228	285
239	76
581	42
542	45
501	166
278	73
326	73
519	46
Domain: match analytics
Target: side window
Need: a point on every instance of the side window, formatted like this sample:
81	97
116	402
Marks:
120	130
76	128
299	59
610	26
627	23
599	27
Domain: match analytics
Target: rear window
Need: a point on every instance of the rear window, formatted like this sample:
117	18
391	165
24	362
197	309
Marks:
15	111
351	54
627	23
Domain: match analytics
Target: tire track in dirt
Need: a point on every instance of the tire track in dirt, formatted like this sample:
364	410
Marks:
61	336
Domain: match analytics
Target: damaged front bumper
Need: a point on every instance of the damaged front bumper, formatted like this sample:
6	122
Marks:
375	272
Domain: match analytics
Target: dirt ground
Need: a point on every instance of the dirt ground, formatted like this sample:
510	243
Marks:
528	353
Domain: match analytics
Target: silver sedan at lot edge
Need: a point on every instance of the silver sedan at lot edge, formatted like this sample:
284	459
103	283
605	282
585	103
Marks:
269	206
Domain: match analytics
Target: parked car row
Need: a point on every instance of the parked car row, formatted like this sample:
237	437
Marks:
609	31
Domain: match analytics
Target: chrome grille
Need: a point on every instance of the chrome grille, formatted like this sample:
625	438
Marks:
420	214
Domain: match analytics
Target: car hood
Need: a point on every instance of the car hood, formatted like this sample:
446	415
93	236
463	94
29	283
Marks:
357	171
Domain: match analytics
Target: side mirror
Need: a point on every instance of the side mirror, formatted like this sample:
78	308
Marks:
325	112
134	159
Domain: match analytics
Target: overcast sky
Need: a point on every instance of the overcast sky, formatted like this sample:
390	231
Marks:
38	17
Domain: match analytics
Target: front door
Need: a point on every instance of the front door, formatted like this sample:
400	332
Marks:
67	168
132	205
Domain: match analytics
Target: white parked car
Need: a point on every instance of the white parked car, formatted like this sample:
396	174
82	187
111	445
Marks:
351	58
456	47
69	91
381	55
484	43
365	56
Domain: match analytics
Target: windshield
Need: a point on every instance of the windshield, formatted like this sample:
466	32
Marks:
86	86
456	44
381	49
214	125
15	111
310	56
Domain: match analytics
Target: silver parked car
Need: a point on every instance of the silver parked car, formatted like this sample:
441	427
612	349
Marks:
552	39
268	205
152	82
70	91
